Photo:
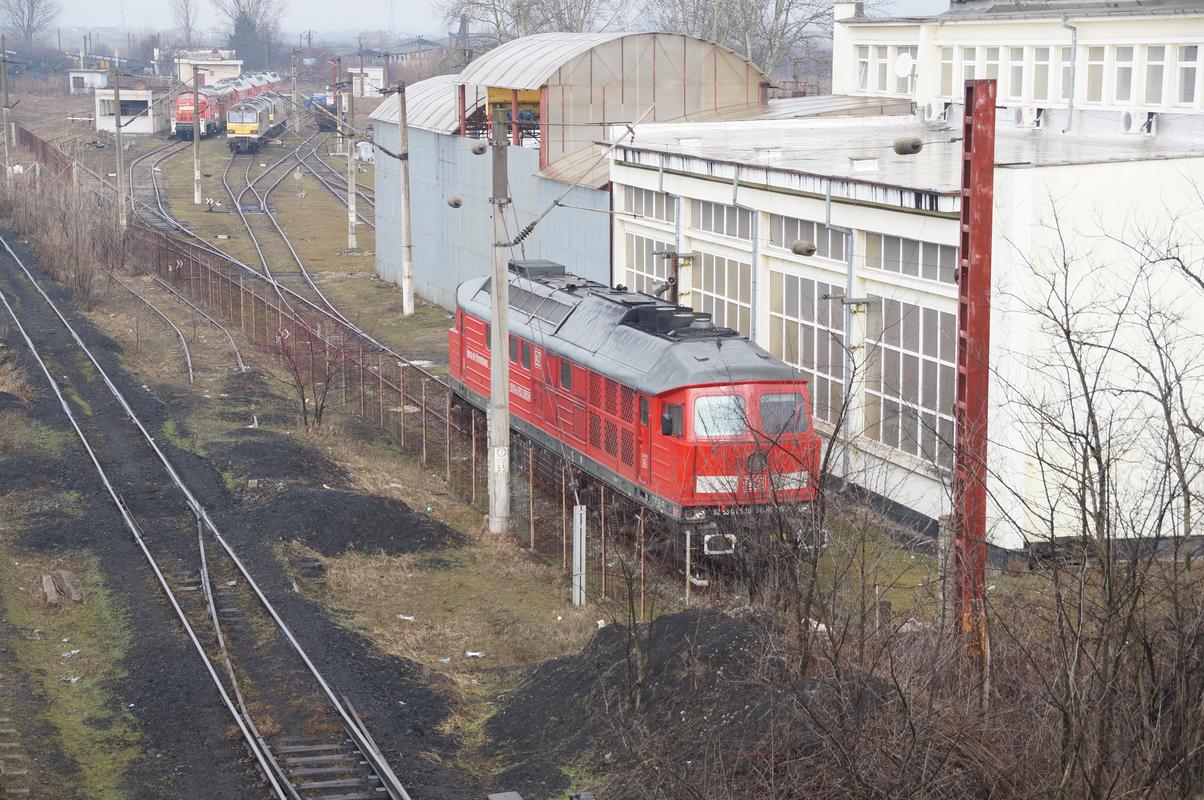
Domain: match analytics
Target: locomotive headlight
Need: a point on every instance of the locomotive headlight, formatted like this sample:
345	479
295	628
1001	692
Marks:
695	514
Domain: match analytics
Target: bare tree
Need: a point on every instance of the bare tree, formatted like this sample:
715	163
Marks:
307	368
767	33
30	18
265	15
185	13
510	19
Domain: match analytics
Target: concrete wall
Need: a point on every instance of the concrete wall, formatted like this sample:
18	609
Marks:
212	71
1096	266
155	120
453	245
92	79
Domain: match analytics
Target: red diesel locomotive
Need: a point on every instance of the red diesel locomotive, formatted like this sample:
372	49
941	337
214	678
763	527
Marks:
216	101
691	420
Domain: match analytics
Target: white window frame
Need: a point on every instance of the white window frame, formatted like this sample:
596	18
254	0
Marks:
1180	68
863	67
907	85
947	73
715	297
1016	80
969	62
1066	68
1161	67
810	322
991	61
644	270
1131	66
933	423
1091	64
1041	91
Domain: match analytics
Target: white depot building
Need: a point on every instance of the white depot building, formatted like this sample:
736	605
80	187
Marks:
1095	234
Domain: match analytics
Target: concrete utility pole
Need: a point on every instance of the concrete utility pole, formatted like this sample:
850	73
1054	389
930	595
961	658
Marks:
499	352
407	240
363	80
115	74
295	113
349	141
338	111
8	128
196	135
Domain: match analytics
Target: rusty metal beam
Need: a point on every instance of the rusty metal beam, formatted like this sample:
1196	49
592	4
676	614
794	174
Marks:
973	364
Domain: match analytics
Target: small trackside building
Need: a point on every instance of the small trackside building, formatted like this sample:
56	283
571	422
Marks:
143	111
83	81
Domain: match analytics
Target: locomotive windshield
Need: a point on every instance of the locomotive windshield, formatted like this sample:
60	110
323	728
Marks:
720	415
783	413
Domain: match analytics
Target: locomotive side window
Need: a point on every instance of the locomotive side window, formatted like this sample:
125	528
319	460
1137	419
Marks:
671	420
566	374
719	415
643	410
513	350
488	336
783	413
526	348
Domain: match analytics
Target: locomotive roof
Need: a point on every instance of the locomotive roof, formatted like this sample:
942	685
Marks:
639	340
258	102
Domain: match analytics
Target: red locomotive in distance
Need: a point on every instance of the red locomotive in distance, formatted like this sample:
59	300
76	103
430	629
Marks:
215	102
691	420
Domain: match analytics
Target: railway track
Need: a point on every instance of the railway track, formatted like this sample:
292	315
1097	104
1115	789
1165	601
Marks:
319	749
263	207
335	183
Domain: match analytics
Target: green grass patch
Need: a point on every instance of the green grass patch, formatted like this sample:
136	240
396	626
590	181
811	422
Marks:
93	727
76	400
22	436
173	434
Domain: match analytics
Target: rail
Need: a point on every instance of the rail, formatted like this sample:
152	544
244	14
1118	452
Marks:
242	367
413	405
165	318
381	767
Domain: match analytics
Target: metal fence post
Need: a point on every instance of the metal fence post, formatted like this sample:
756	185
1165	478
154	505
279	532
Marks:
531	492
564	521
602	527
423	412
578	555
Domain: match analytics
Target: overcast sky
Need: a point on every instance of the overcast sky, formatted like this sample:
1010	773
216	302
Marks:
413	16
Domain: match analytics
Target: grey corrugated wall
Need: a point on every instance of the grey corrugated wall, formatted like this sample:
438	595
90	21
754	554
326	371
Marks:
452	245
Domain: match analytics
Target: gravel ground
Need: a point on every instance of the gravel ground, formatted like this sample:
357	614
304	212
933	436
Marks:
166	684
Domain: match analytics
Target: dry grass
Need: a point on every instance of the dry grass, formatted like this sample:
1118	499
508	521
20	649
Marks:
14	380
488	597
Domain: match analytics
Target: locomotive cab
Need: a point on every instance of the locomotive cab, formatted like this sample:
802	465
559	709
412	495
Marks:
741	447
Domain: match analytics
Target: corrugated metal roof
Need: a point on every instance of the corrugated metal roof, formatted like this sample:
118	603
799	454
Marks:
528	62
588	166
1019	10
430	105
